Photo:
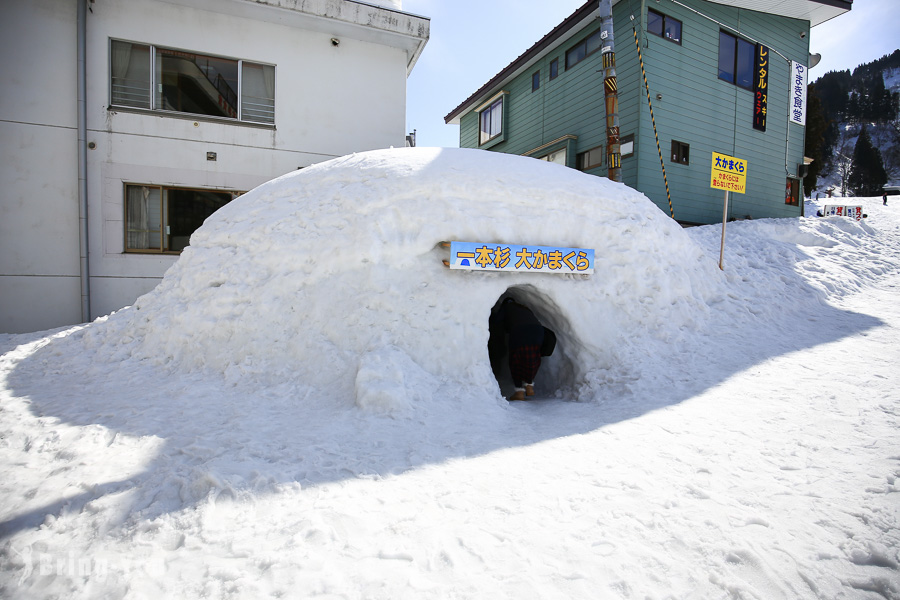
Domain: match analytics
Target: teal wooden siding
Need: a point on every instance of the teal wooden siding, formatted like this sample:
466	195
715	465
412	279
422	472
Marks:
570	104
713	115
696	108
632	98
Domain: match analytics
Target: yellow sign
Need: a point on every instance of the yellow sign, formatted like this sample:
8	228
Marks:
728	173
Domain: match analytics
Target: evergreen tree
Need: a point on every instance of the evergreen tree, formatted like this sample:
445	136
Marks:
854	109
867	175
848	100
833	88
814	146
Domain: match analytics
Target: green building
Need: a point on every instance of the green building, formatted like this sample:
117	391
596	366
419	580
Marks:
725	77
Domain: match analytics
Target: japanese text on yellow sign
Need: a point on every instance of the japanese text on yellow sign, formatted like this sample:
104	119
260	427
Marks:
728	173
477	256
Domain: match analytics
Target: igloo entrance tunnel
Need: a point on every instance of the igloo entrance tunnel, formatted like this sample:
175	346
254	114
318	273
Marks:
555	373
332	277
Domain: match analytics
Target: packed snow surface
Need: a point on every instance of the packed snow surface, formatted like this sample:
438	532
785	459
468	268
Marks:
332	278
304	407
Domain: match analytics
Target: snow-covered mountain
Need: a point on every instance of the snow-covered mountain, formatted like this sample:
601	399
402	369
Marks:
868	97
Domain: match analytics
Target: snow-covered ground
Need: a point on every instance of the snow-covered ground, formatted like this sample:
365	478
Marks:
707	433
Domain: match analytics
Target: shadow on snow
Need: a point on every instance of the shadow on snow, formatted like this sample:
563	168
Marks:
261	441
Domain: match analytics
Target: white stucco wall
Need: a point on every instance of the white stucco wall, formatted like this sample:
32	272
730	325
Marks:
39	271
331	100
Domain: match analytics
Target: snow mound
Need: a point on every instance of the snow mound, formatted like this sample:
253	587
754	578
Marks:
332	277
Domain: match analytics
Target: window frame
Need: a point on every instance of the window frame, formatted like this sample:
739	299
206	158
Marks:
582	156
546	157
554	69
165	223
623	141
535	81
154	83
498	99
665	19
735	68
585	43
681	153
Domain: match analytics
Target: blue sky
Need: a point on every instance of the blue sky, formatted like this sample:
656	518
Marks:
471	41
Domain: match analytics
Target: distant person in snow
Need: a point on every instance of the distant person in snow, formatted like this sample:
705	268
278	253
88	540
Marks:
525	335
884	198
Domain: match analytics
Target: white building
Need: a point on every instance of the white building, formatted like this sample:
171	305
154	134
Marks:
123	124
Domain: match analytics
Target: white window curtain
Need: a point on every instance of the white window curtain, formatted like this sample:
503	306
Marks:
496	118
143	217
121	57
258	93
492	121
130	74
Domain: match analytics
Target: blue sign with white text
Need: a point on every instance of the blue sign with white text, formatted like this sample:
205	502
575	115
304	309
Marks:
480	256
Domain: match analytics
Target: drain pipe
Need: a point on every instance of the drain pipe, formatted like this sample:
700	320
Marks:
82	163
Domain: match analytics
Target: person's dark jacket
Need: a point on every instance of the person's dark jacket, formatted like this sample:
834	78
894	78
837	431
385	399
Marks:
521	325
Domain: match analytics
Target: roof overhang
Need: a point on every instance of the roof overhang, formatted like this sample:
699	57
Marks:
340	18
814	11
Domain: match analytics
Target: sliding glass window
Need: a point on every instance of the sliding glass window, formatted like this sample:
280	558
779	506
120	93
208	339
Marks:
179	81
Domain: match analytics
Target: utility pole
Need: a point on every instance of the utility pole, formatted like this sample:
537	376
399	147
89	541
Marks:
611	92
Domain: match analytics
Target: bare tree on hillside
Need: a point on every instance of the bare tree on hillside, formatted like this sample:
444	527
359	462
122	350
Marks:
892	150
843	158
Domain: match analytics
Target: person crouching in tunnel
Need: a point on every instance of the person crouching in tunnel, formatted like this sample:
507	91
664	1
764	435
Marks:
525	334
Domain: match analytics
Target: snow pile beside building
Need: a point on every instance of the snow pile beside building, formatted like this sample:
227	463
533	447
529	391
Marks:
332	278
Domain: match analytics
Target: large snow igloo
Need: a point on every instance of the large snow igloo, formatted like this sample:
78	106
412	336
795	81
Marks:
333	277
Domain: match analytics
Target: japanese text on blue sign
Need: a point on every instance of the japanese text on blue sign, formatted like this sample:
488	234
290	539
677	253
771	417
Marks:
479	256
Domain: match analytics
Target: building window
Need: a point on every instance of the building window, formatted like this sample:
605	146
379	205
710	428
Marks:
166	79
582	50
162	219
792	192
559	157
664	26
681	153
626	145
590	159
491	121
535	81
554	68
736	60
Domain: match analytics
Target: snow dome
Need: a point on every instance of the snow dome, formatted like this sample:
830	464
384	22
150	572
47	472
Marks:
332	277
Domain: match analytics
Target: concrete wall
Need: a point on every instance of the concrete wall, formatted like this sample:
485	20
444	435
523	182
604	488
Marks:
39	247
330	101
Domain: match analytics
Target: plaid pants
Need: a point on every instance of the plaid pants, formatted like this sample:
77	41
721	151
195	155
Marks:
524	362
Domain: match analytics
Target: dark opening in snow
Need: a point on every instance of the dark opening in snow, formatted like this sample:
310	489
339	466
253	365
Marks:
550	375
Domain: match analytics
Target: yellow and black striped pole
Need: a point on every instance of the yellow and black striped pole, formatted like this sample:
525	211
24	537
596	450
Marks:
653	120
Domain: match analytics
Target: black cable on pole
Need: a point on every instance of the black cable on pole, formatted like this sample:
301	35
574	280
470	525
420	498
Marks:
653	120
